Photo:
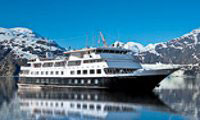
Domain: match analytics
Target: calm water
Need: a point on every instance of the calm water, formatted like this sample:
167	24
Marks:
179	99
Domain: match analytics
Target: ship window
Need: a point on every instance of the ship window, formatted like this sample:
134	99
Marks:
74	63
78	106
98	51
89	81
96	81
93	61
60	64
72	72
98	71
28	65
51	72
118	70
91	71
37	65
71	105
91	107
51	104
56	104
42	72
84	71
84	106
78	72
82	81
37	73
26	72
46	72
49	64
98	107
57	72
62	73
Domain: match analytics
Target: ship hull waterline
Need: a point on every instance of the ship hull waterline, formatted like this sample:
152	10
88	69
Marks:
139	83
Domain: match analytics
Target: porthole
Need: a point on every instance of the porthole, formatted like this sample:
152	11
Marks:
70	81
96	81
75	81
89	81
82	81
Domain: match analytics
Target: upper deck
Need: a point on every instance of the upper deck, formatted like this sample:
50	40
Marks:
100	50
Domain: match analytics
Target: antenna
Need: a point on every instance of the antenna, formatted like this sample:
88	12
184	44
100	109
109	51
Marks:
103	39
93	40
86	42
99	40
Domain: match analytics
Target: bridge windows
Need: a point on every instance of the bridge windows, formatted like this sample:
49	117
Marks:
74	63
93	61
60	64
47	64
112	51
37	65
118	70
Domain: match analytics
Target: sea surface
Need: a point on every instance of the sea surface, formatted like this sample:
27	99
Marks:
177	98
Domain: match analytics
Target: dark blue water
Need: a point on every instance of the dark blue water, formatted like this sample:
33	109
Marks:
82	104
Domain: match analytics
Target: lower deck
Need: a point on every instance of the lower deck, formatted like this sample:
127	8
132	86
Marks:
144	83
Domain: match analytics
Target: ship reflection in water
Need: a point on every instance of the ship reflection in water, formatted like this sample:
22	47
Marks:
76	104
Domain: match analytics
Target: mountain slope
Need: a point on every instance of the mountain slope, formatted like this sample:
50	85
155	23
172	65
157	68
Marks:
17	45
182	50
25	43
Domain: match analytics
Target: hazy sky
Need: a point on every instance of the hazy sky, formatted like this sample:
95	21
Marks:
68	21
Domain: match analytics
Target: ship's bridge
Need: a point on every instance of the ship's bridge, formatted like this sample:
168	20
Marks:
114	57
87	53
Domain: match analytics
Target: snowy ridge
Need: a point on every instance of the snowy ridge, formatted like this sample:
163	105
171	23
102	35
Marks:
25	43
182	50
135	47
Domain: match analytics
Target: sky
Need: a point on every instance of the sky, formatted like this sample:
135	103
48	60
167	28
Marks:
78	22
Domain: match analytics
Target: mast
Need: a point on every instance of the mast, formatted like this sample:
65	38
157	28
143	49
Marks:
103	39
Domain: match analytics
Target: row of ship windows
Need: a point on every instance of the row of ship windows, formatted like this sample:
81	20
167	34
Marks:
63	63
96	107
70	81
84	72
72	72
72	105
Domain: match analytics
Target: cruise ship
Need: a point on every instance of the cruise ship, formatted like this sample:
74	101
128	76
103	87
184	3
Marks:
97	68
102	67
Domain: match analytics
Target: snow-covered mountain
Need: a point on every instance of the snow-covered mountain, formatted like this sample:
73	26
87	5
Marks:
182	50
135	47
24	43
